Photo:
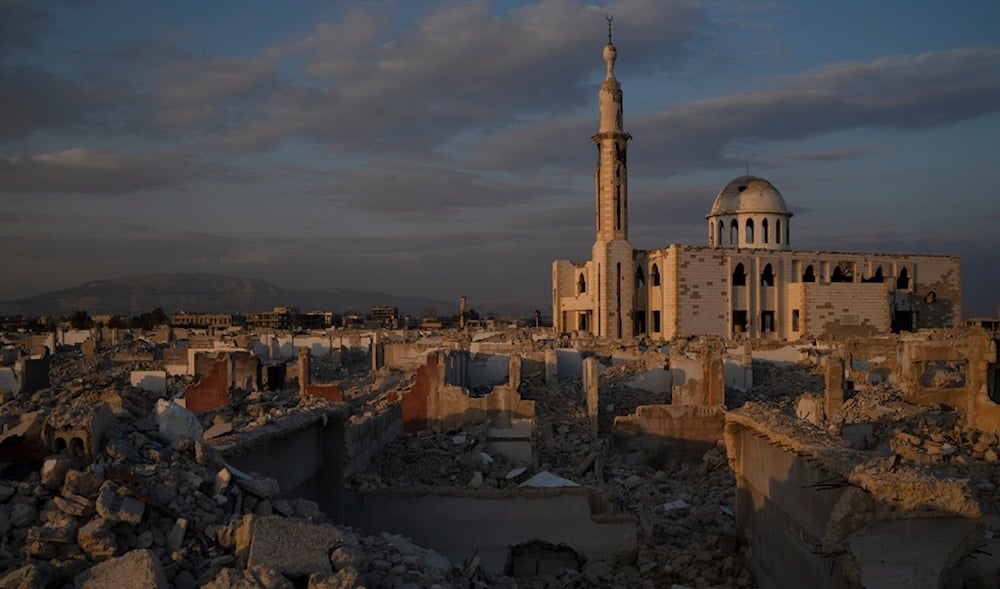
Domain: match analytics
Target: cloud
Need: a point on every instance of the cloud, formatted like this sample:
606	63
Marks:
197	92
82	170
908	92
427	187
33	99
458	68
20	26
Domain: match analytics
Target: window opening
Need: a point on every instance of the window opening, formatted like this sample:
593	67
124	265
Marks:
767	276
809	275
581	285
654	276
903	282
749	231
763	231
767	321
739	276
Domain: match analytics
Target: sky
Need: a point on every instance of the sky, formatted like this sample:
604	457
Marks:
437	148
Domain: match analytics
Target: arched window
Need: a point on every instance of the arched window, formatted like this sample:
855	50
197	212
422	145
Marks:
739	276
722	229
875	277
763	231
581	285
788	236
654	275
809	275
839	275
903	282
640	277
734	232
749	231
767	276
777	231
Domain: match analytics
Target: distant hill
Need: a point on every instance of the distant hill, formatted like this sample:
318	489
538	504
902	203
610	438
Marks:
132	295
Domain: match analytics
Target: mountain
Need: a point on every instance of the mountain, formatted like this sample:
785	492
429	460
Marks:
132	295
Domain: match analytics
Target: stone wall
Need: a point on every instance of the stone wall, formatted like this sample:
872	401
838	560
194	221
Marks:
489	524
367	434
819	514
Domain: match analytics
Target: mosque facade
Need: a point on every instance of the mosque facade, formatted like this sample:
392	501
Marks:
748	281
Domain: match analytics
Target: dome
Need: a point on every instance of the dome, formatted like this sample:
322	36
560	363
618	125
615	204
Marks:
749	194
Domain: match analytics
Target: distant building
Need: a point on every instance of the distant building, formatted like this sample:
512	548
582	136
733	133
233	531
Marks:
747	281
214	320
385	316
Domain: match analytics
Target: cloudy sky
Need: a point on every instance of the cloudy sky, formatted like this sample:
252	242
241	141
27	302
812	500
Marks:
433	148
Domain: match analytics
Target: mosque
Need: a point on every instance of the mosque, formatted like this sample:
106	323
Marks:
747	282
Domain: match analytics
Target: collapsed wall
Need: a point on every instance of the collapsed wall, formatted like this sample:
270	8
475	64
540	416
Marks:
462	523
821	514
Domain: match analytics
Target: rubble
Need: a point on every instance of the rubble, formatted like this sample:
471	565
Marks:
154	490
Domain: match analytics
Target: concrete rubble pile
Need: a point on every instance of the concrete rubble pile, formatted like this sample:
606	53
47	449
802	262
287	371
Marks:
511	458
155	505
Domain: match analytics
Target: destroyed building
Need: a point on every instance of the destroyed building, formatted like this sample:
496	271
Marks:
747	281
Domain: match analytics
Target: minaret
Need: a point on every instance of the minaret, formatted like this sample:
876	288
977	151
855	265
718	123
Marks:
612	251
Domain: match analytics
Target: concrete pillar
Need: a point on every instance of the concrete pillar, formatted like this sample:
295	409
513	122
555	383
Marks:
514	372
834	395
591	391
303	369
714	377
551	368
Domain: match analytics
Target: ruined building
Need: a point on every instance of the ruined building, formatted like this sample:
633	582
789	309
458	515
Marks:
747	280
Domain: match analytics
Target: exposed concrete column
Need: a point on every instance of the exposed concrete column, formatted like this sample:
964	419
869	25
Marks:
551	368
514	372
714	377
303	369
377	350
834	394
591	391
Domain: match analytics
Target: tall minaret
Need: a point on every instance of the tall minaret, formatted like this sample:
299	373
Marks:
612	251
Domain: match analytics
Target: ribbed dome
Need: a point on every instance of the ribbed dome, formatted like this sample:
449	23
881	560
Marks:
749	194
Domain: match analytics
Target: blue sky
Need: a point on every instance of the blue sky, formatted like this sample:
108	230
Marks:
434	148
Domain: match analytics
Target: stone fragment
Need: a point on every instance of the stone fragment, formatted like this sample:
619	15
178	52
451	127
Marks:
306	509
515	472
74	505
139	569
265	488
293	548
96	539
22	515
219	429
176	422
347	578
175	539
26	577
547	480
54	471
348	556
675	505
477	480
81	483
254	577
113	505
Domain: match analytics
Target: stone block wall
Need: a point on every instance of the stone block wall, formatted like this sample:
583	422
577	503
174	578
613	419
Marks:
365	435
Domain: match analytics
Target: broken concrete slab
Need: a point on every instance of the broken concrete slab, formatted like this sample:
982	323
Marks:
292	547
139	569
